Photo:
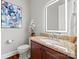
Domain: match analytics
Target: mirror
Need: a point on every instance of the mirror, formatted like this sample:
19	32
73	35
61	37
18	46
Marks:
56	16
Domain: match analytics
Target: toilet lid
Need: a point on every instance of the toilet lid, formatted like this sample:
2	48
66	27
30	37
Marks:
23	47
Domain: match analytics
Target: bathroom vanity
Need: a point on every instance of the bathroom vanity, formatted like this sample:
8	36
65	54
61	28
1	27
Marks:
42	51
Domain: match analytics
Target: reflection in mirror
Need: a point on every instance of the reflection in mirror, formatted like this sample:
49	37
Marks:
56	16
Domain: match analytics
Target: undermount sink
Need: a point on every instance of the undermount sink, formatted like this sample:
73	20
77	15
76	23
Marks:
51	41
55	43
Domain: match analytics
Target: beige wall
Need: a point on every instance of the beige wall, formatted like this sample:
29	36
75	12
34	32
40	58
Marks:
18	35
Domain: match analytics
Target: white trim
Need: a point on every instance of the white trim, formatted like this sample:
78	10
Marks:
6	55
52	2
66	14
55	31
46	19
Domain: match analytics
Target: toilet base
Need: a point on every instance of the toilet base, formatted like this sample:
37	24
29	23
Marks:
23	56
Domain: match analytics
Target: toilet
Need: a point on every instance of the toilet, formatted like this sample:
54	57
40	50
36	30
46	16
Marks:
24	51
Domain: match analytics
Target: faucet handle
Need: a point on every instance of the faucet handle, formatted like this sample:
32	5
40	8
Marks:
51	35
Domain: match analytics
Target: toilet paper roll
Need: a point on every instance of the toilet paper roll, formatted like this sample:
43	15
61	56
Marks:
9	41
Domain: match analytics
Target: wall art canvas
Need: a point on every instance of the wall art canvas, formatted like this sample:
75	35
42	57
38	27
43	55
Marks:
11	15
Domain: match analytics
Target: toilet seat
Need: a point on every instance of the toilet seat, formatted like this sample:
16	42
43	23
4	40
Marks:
23	47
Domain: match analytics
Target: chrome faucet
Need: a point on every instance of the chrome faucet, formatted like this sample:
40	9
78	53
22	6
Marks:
51	35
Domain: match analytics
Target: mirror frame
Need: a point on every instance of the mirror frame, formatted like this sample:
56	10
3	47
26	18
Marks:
47	5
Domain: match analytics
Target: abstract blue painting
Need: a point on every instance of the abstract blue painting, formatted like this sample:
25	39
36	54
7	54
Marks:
11	15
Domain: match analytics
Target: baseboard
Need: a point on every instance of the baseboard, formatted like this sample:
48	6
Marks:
4	56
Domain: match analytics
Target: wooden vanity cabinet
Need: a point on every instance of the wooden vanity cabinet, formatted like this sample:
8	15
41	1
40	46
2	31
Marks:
51	54
35	50
39	51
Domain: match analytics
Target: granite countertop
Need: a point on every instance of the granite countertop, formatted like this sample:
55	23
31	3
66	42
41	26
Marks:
68	45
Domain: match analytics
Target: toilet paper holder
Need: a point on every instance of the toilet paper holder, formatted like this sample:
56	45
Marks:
10	41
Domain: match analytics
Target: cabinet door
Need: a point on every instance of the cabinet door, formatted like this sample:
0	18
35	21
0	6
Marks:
35	50
52	54
47	55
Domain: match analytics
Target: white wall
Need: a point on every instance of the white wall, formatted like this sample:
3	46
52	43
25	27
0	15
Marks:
18	35
38	13
72	30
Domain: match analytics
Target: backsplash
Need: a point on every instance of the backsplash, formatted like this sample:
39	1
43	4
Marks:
71	38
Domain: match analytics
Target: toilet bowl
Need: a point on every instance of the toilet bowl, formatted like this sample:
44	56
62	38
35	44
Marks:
24	52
